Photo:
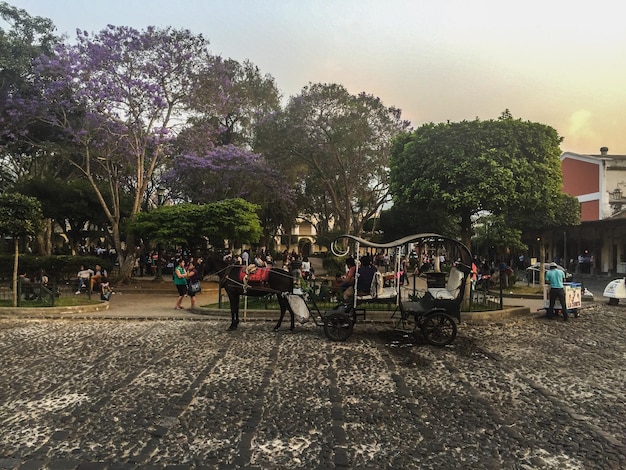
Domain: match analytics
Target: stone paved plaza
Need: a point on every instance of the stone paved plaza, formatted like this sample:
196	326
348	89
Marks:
186	394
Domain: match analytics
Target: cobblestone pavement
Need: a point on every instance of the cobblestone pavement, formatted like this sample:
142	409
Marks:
183	394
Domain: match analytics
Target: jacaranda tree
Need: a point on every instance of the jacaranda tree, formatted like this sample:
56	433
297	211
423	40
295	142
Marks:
23	38
119	96
229	172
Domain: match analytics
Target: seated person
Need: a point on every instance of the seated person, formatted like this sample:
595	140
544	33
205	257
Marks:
27	288
83	278
366	275
99	277
347	281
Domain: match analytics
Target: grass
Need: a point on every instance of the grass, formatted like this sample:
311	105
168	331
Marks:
58	302
524	289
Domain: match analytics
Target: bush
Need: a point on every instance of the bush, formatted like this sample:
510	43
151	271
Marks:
334	265
59	267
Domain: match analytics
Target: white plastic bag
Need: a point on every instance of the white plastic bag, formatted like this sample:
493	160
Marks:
299	308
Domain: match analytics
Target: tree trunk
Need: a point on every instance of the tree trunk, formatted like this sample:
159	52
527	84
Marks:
16	258
44	239
125	258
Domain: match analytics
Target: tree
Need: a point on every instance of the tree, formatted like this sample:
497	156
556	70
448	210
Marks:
496	237
191	224
73	205
231	172
231	98
334	147
26	38
19	217
120	96
469	168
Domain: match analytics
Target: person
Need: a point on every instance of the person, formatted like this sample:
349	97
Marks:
27	288
83	278
100	276
347	281
306	268
505	272
245	258
259	261
404	277
366	276
555	278
180	281
192	276
44	280
474	273
295	267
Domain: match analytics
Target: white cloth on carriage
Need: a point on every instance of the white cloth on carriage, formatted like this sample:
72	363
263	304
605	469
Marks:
453	286
377	289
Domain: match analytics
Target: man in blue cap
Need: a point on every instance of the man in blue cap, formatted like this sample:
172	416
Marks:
556	277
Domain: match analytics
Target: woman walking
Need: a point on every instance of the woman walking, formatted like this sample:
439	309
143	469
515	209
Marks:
192	277
180	281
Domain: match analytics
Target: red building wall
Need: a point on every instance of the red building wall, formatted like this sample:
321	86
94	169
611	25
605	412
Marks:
580	177
589	211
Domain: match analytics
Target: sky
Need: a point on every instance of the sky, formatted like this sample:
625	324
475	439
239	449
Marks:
556	62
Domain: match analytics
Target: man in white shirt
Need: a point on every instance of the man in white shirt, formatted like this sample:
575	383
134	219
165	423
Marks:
83	277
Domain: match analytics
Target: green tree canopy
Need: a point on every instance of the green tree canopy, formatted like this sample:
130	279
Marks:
334	147
194	225
504	167
73	205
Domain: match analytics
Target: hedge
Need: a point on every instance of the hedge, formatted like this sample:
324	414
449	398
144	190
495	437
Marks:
60	267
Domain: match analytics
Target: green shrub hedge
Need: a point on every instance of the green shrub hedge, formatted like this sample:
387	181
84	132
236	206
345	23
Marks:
334	265
59	267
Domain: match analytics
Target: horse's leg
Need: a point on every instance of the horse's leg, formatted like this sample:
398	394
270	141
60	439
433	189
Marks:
233	299
282	312
284	306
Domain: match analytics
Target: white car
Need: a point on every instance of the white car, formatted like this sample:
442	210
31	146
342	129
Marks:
532	272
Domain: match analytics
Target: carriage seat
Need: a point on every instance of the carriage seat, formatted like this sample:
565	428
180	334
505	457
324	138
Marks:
377	290
453	286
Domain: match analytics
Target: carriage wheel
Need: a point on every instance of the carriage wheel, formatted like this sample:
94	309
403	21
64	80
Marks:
613	301
338	326
439	329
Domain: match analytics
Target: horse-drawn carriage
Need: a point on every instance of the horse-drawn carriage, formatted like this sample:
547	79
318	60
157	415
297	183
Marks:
435	313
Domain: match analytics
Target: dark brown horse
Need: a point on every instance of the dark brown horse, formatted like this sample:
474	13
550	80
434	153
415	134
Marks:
239	280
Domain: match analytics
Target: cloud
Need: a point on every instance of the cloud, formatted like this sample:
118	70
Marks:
580	128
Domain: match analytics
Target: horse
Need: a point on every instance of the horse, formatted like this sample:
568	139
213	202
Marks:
254	281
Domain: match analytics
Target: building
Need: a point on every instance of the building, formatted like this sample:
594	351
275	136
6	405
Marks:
599	183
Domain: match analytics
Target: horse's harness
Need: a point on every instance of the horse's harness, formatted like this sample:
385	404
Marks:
253	274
